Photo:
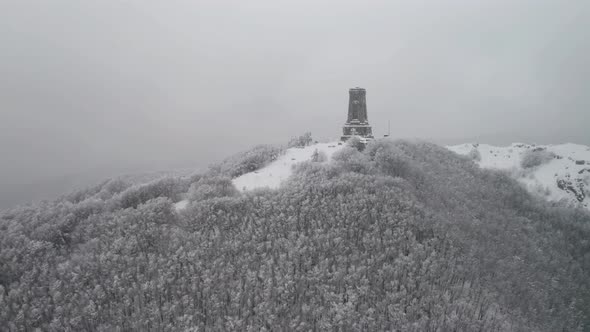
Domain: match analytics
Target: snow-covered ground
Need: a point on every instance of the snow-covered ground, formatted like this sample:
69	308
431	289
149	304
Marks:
564	177
272	175
181	205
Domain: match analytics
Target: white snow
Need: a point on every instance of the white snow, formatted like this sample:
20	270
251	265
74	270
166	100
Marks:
542	179
179	206
272	175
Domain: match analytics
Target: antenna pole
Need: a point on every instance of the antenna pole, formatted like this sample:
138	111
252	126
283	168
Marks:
388	128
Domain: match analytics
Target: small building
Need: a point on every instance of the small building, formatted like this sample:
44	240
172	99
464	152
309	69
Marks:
357	123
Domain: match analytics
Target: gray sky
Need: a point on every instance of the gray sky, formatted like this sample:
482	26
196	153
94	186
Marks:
96	88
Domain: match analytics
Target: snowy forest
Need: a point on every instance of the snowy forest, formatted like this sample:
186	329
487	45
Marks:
401	236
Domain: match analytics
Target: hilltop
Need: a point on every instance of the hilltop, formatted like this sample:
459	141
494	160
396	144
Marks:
400	236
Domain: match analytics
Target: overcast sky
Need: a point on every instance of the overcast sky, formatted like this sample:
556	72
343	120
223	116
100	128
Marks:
96	88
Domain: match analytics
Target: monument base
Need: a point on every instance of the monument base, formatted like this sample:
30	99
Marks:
355	128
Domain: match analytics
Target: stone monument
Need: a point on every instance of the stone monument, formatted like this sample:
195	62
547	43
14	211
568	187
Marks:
357	123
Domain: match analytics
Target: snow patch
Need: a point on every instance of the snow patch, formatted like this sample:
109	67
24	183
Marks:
272	175
179	206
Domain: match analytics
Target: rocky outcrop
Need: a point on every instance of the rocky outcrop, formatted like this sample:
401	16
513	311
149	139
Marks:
575	187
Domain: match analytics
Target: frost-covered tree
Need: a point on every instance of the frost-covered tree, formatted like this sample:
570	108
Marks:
247	161
319	156
474	154
402	236
536	157
300	141
356	142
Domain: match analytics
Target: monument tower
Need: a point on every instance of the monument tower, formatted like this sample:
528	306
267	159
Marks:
357	123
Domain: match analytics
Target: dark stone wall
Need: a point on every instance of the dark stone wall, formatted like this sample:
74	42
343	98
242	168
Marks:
357	105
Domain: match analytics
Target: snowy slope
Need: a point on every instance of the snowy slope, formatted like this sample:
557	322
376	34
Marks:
181	205
278	171
272	175
566	176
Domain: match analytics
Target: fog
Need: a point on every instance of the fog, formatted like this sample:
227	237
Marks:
92	89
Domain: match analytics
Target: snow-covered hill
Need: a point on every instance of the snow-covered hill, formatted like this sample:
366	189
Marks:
557	172
272	175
